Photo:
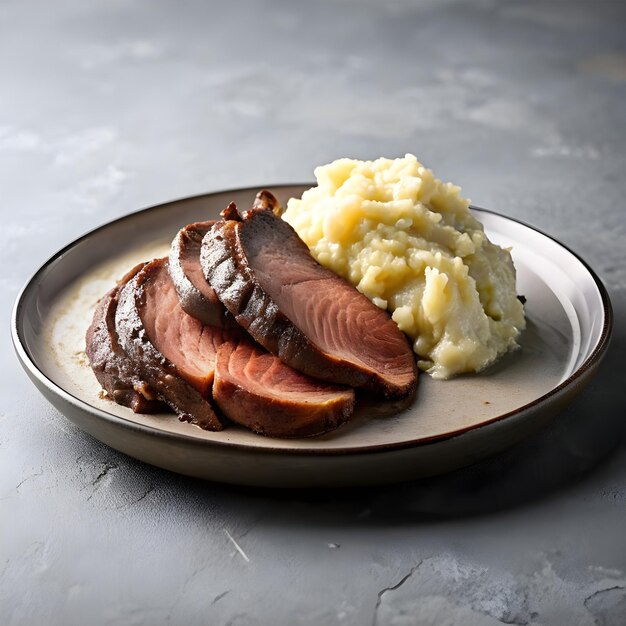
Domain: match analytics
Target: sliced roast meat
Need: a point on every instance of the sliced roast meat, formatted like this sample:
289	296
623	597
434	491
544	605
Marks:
109	362
172	351
181	338
181	357
305	314
196	295
257	390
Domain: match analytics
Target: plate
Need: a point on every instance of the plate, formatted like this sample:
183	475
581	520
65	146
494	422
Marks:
451	423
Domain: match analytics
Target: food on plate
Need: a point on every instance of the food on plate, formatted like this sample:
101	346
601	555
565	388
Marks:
257	390
200	370
168	348
109	362
195	294
305	314
410	243
255	318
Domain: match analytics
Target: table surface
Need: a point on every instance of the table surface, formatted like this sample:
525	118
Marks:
109	107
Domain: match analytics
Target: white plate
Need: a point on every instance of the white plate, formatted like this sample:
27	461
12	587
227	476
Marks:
451	423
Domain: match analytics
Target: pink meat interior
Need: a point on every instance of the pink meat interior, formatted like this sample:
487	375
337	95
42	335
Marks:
265	375
181	339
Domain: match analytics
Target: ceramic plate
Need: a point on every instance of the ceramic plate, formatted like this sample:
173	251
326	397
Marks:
451	423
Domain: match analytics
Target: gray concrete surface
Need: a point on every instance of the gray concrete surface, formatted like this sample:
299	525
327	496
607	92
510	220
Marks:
106	107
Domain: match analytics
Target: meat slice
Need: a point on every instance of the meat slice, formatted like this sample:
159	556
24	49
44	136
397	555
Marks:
257	390
172	351
196	295
305	314
109	362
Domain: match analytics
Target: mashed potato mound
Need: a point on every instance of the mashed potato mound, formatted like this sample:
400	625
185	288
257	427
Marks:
410	243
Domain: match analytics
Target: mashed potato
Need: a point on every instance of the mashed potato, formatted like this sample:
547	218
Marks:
410	244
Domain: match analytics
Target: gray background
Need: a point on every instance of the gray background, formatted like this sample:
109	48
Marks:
107	107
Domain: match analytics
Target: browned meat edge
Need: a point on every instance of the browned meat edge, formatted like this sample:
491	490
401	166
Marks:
109	362
196	299
152	366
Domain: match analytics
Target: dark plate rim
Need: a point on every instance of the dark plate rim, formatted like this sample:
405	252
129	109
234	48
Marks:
28	362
